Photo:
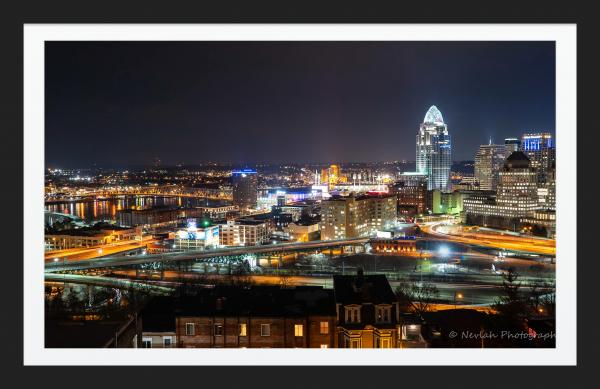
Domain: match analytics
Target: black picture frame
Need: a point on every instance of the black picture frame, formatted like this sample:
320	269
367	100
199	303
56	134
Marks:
154	11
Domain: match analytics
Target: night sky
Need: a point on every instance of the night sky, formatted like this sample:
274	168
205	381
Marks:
124	103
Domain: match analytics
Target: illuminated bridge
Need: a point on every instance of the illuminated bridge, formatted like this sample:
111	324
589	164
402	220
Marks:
138	192
237	256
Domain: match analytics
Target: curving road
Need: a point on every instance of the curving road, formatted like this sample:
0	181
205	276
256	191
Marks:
455	233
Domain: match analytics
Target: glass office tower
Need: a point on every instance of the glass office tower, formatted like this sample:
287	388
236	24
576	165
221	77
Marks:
434	150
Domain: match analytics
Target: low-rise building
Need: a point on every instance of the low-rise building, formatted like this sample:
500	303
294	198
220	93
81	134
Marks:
157	323
257	317
152	217
244	232
217	212
195	239
303	231
541	223
368	314
396	246
90	237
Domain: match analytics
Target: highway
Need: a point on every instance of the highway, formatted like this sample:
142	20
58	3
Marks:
78	254
494	240
114	261
480	294
109	282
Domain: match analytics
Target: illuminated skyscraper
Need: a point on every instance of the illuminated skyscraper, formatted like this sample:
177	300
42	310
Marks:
434	150
516	198
541	151
512	145
244	188
488	163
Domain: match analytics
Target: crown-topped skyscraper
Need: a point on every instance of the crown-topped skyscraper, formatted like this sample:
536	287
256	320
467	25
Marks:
434	150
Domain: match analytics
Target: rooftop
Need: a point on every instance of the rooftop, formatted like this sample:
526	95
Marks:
358	289
258	301
433	115
517	160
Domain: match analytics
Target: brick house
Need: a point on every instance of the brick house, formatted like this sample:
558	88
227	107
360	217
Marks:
368	314
257	317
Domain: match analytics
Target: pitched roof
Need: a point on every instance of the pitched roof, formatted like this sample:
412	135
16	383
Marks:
358	289
517	159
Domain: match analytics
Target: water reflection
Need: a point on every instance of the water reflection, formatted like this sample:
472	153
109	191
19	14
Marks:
106	209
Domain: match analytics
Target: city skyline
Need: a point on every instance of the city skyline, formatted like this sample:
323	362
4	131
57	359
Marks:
299	194
273	102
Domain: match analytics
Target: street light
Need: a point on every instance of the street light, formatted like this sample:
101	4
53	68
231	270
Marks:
444	251
457	295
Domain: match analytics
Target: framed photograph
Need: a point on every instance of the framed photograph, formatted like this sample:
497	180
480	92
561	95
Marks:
257	192
206	186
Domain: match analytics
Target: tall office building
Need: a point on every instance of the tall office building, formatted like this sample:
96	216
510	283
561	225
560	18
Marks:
517	191
434	150
516	198
547	191
411	192
512	145
488	163
352	217
245	184
541	151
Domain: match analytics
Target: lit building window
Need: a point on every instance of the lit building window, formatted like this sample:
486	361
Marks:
243	329
298	330
324	328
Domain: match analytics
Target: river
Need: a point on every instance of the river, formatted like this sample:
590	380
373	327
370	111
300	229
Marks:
92	210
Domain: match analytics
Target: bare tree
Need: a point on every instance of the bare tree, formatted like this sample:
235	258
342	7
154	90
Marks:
511	302
416	295
284	280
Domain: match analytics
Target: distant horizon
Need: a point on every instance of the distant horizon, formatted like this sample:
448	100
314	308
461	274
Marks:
237	164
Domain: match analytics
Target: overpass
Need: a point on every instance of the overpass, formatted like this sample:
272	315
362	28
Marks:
160	260
110	282
507	243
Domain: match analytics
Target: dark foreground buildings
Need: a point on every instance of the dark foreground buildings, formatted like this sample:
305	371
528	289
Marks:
368	315
360	312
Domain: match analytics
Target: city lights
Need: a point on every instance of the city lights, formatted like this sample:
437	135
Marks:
444	251
253	215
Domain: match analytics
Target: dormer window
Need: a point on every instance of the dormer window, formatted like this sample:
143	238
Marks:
383	313
352	314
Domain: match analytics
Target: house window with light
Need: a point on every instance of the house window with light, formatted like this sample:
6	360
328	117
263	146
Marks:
298	330
324	328
243	329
